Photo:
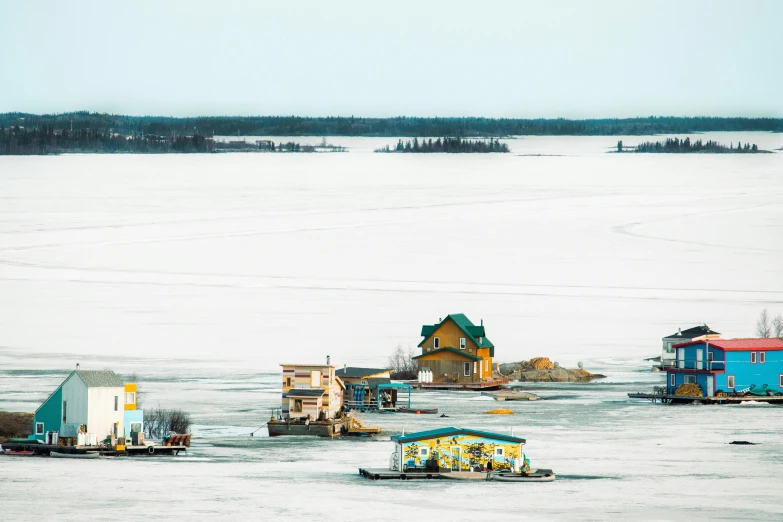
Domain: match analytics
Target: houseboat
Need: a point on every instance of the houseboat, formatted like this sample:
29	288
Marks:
458	453
696	333
725	371
457	355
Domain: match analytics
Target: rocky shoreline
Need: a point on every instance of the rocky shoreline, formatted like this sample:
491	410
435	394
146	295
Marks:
541	369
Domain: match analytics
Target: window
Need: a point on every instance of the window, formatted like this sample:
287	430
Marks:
462	343
65	412
690	379
39	428
116	402
475	367
135	427
752	357
315	379
669	348
780	381
467	369
672	379
710	356
297	405
486	365
498	452
436	342
762	357
424	452
730	382
130	398
288	382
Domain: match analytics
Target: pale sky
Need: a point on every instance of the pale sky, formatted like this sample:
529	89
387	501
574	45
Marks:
573	59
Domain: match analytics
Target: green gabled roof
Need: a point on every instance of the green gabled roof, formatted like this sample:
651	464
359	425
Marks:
448	432
450	349
466	325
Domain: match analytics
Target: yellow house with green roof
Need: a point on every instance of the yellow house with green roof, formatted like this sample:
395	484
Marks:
456	351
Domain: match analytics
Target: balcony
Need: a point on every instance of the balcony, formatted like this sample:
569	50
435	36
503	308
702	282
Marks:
696	364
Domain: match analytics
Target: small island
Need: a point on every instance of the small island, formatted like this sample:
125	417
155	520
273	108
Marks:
686	146
542	369
447	145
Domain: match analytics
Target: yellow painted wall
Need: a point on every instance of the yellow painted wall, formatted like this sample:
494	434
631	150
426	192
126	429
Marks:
130	388
299	376
474	451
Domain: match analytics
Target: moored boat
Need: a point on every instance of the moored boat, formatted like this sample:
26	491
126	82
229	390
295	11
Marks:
18	453
535	475
75	455
417	410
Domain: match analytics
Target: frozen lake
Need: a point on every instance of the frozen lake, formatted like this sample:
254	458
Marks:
203	272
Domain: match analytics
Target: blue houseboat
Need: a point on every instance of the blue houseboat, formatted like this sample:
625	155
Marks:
728	366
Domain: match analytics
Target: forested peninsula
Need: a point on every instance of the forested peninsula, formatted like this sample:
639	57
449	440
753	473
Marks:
381	127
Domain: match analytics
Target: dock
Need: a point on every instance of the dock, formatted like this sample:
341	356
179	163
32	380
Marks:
666	398
46	449
494	384
511	395
388	474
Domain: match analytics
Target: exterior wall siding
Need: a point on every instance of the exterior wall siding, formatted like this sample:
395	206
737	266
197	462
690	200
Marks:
746	373
450	334
101	416
445	365
74	394
50	414
472	451
299	377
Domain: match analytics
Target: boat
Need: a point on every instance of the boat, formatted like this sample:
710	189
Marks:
535	475
75	455
18	453
417	410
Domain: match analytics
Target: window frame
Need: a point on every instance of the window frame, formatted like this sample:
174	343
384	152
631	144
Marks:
300	404
466	369
116	402
762	357
314	380
733	380
780	380
436	342
486	365
463	343
752	357
424	452
288	382
41	431
686	377
65	412
500	451
132	396
672	379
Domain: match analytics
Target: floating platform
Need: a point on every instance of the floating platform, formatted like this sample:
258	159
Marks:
329	428
495	384
512	395
665	398
535	475
48	449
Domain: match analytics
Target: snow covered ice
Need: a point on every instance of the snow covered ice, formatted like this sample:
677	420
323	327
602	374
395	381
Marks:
203	272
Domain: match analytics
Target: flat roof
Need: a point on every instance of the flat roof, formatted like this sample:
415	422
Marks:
451	431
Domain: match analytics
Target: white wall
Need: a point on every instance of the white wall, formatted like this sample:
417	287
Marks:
101	416
75	394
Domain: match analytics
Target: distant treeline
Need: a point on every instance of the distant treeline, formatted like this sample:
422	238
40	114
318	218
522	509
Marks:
451	145
47	140
400	126
676	146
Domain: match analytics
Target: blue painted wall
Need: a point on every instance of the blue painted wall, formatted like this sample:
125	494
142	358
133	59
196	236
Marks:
50	413
746	373
133	416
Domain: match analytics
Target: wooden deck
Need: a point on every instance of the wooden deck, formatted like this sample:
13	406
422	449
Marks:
45	449
665	398
459	386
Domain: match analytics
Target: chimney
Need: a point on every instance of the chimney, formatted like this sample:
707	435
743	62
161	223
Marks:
327	359
77	366
482	322
345	368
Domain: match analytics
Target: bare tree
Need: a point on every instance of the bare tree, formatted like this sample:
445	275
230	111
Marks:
763	328
401	363
777	326
159	422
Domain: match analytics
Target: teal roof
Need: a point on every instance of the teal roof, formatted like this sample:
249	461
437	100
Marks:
450	349
448	432
467	326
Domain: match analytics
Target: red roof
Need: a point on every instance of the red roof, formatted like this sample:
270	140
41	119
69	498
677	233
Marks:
741	344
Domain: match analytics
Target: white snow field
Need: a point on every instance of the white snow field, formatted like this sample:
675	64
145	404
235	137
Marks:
203	272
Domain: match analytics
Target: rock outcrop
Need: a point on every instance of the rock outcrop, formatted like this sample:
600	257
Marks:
541	369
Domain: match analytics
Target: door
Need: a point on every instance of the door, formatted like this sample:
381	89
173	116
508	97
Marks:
699	359
456	453
710	385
